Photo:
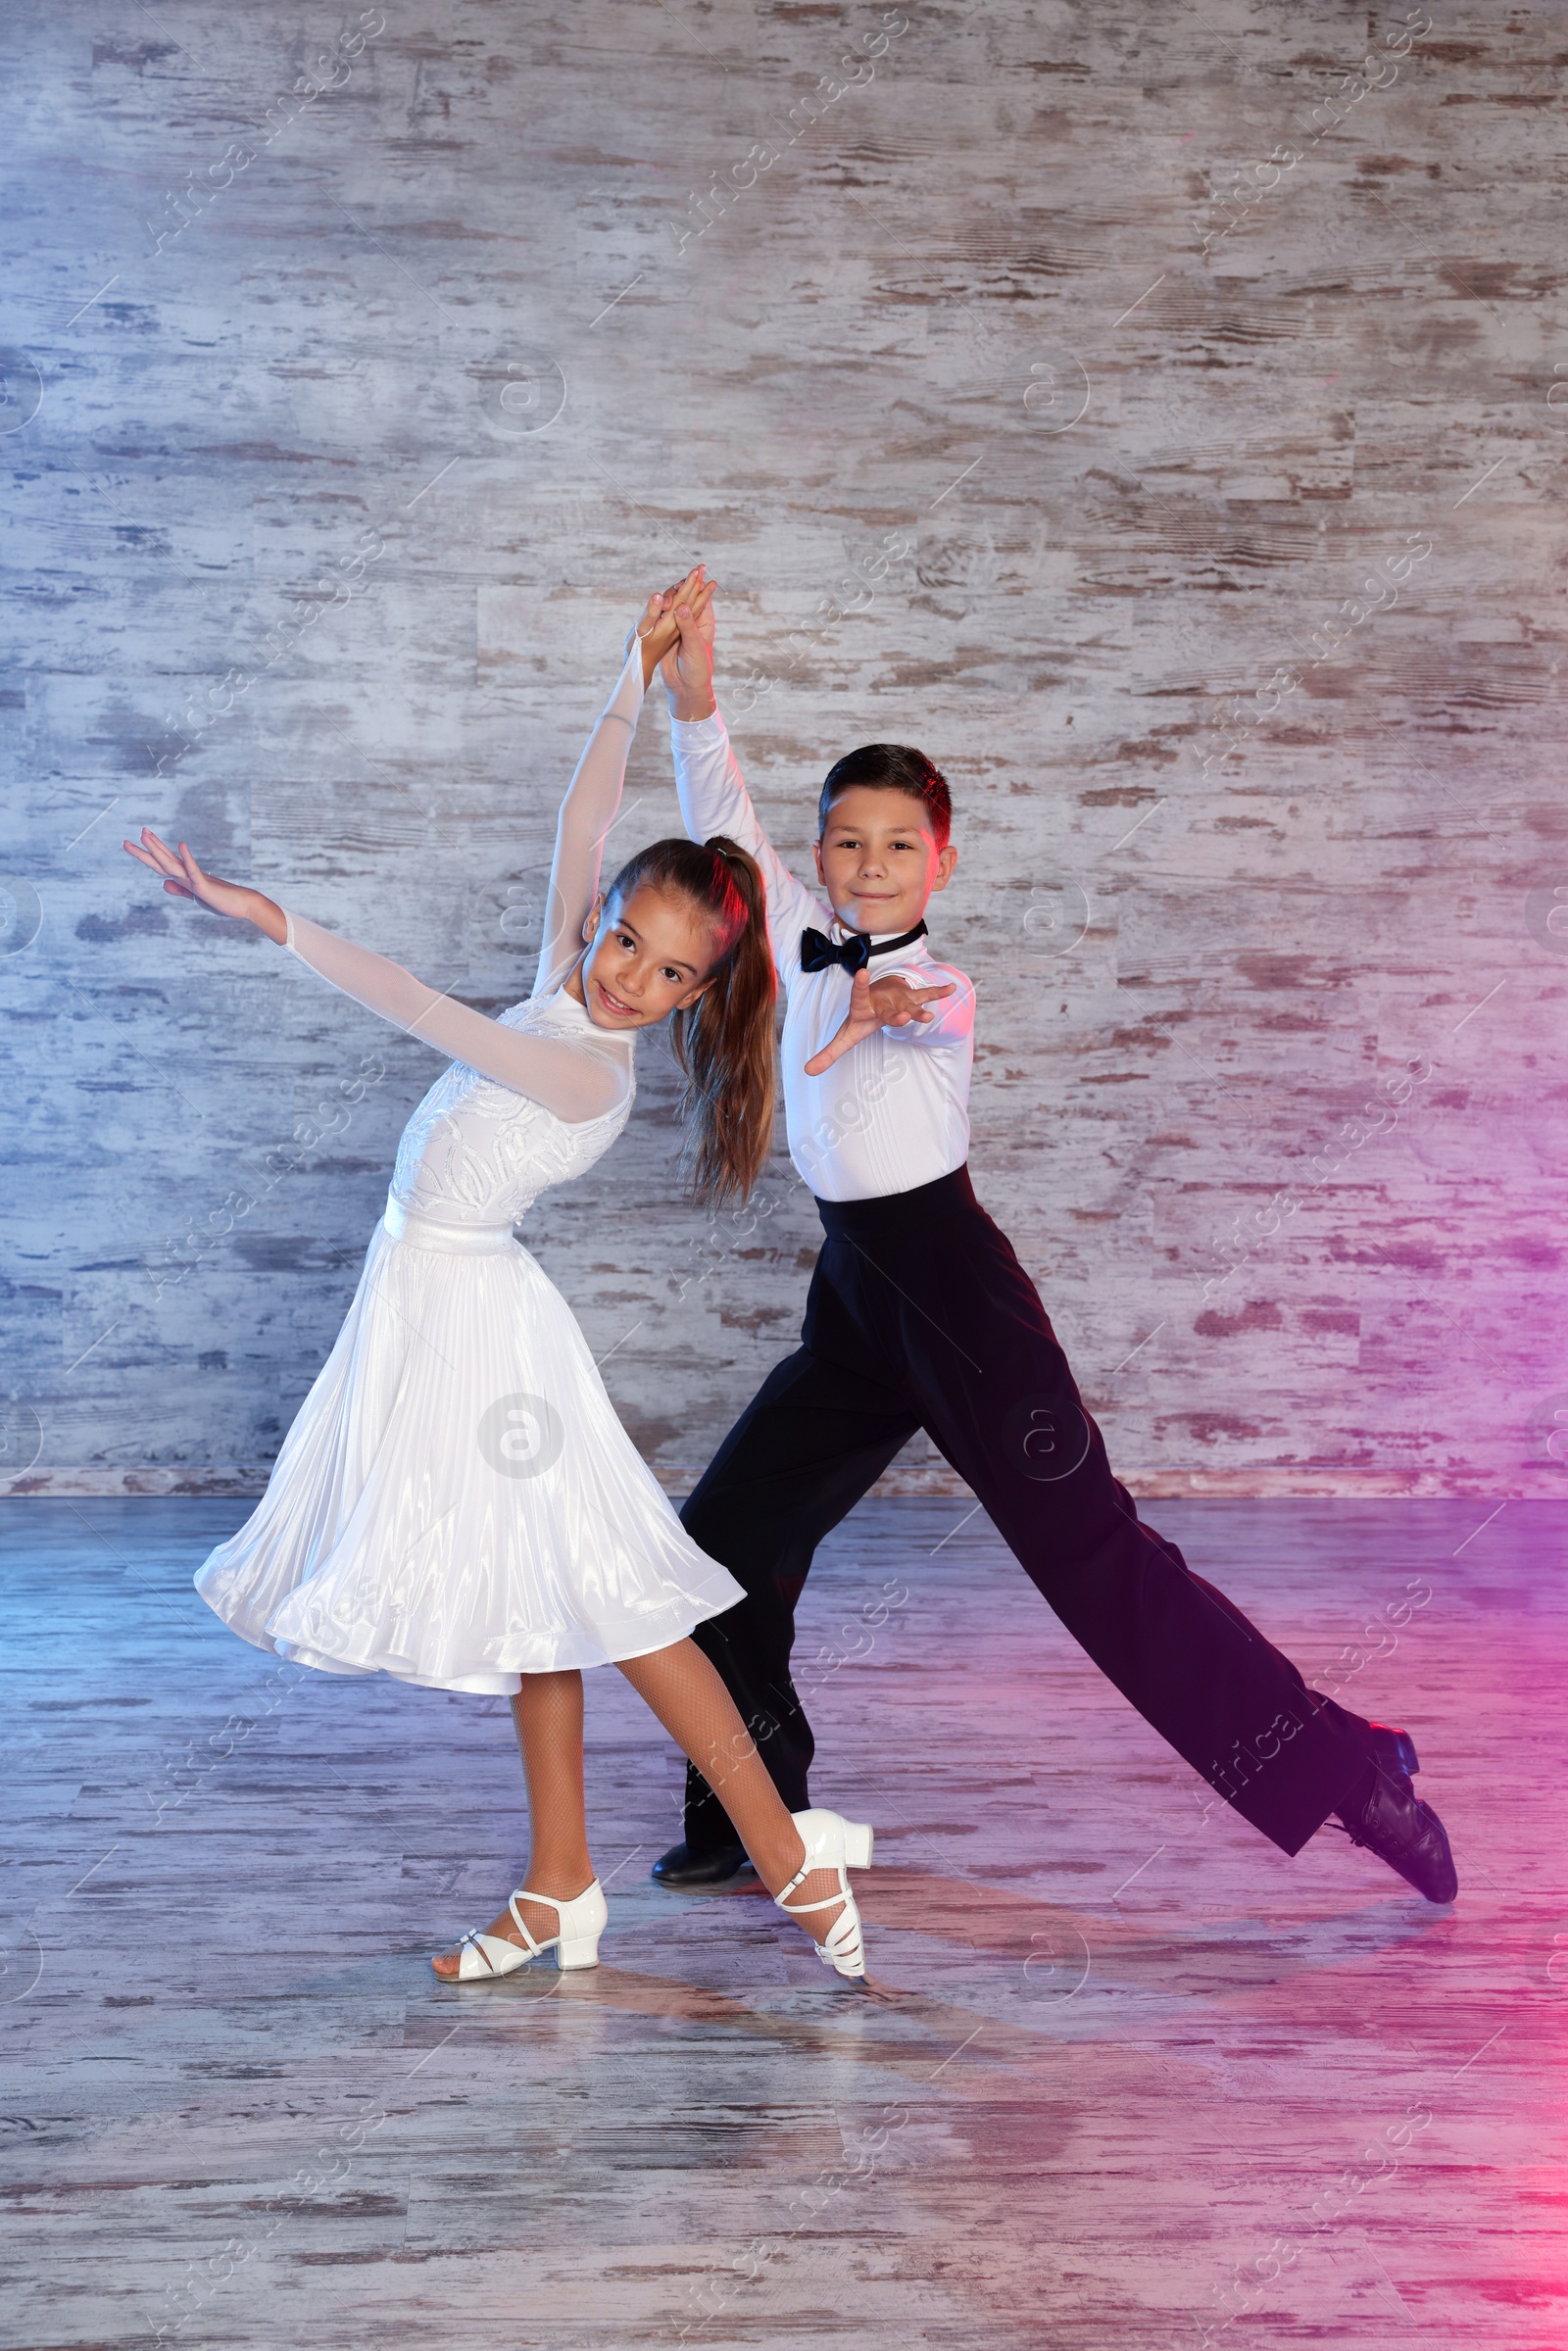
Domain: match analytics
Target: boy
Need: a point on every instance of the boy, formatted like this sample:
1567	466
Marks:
920	1315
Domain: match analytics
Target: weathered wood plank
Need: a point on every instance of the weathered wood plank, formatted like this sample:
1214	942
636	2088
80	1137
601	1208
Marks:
458	337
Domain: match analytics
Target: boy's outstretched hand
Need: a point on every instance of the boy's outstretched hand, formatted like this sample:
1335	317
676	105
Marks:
688	669
875	1004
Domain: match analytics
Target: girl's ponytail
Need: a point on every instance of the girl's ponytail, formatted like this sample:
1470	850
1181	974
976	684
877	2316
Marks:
724	1044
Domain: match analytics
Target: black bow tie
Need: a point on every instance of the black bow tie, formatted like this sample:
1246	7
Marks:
819	953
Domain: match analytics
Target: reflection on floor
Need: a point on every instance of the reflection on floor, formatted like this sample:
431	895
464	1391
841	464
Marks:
1129	2077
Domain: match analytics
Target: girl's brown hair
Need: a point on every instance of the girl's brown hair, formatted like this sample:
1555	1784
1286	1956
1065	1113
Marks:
724	1044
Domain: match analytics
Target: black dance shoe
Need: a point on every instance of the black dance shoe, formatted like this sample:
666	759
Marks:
687	1873
1387	1817
1395	1751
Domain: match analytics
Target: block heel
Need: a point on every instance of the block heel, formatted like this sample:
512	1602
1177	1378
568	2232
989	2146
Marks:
832	1843
1395	1751
579	1924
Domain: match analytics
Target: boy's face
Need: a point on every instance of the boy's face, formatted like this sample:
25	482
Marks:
878	860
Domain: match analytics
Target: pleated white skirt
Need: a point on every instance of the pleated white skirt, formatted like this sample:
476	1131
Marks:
457	1504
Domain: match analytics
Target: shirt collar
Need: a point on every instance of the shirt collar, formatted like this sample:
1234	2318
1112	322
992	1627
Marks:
840	931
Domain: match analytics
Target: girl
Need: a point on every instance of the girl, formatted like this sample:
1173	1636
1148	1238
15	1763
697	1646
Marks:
457	1504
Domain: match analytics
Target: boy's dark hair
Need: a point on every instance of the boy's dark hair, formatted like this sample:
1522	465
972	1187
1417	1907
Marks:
890	767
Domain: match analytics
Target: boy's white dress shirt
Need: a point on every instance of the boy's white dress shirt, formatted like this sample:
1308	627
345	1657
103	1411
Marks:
894	1112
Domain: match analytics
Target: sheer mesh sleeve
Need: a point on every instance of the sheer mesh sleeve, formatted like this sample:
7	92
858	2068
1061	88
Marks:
586	815
576	1081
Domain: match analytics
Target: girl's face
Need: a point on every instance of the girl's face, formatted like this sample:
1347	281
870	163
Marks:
648	955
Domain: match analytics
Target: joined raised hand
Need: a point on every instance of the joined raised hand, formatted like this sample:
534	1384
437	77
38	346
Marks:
183	877
659	630
687	668
875	1004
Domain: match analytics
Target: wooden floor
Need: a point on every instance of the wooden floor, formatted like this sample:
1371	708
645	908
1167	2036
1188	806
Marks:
1130	2077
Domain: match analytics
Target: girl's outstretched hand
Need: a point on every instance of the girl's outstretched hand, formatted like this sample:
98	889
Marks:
875	1004
183	877
658	632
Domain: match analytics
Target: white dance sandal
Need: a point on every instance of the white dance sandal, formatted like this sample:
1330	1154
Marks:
832	1843
579	1924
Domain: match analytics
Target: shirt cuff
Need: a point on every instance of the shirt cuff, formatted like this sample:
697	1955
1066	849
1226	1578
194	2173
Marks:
921	1032
288	930
698	731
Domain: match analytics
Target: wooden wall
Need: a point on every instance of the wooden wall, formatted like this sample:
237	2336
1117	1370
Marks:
1044	384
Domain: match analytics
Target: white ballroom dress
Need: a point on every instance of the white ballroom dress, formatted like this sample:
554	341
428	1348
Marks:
457	1504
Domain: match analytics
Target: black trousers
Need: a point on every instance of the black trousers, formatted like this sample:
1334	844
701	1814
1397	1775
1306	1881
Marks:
919	1315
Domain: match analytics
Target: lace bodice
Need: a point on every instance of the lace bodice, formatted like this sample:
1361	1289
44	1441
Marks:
477	1152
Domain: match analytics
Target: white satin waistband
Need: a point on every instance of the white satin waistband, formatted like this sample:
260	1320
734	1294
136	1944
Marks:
458	1240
